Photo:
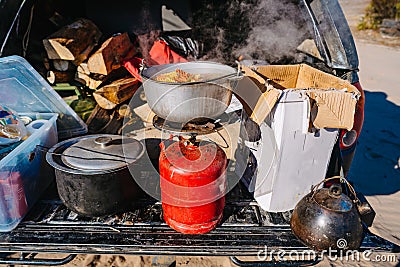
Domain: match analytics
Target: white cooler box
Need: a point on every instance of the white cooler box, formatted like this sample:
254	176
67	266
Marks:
282	159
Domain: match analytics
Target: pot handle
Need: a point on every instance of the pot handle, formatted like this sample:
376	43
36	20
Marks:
235	76
226	145
142	66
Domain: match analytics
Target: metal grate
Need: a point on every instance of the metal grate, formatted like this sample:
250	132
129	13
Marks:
240	210
245	230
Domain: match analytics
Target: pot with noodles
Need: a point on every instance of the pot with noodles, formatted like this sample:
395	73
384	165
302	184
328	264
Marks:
189	91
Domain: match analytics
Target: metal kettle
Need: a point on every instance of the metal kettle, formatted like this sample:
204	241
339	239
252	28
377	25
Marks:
327	219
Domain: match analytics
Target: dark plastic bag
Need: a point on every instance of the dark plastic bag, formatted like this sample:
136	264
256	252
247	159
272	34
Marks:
183	46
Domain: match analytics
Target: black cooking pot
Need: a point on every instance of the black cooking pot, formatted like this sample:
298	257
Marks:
92	173
327	218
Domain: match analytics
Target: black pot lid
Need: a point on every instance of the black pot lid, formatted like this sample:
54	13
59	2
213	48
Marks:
333	199
102	153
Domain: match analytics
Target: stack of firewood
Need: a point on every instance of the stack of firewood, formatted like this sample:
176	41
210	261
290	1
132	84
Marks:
74	53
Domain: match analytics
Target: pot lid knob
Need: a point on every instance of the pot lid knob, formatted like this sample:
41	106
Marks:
103	141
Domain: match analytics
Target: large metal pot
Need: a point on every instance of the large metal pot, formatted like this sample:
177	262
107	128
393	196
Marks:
182	102
327	219
92	173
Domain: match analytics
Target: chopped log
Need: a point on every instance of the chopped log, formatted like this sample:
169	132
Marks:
119	90
83	68
87	80
59	76
104	121
131	53
46	63
110	55
109	96
113	76
94	80
104	102
73	42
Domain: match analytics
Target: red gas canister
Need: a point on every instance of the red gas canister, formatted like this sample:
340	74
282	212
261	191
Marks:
193	182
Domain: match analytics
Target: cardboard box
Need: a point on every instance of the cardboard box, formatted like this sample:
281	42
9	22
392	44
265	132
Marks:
333	100
289	127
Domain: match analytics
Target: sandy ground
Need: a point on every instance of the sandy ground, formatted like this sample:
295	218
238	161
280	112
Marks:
354	11
376	167
375	170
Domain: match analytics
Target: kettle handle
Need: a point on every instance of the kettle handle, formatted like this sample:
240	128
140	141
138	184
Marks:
342	180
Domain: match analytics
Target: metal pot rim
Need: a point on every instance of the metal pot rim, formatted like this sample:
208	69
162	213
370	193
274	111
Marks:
233	74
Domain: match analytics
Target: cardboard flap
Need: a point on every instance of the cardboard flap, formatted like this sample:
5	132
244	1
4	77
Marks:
247	71
267	99
310	77
335	98
265	104
280	76
333	109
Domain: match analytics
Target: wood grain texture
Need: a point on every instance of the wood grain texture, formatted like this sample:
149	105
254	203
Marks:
73	42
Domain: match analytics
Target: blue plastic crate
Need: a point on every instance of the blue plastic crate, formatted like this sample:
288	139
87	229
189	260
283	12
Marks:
24	173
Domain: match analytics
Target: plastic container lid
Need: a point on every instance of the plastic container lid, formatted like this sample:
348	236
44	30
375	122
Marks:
25	91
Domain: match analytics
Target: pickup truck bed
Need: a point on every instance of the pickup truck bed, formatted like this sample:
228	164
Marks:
50	227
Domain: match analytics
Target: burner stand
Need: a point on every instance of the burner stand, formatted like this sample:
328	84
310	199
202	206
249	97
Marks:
194	128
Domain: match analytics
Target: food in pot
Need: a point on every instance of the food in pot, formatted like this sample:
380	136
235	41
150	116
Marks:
185	101
178	76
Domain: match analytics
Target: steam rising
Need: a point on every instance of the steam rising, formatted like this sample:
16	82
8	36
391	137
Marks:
255	29
146	41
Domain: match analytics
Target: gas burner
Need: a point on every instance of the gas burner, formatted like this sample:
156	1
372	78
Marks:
197	127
